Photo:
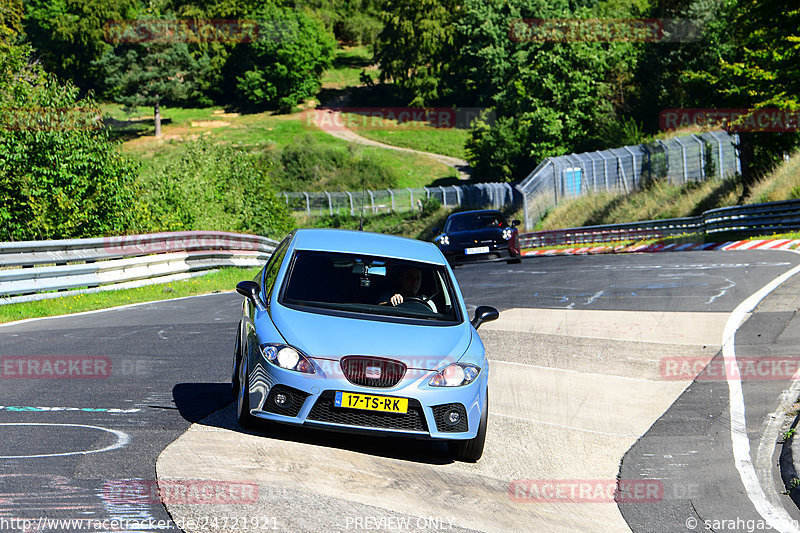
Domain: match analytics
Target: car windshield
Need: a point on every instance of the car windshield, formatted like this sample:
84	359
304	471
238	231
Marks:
474	221
329	282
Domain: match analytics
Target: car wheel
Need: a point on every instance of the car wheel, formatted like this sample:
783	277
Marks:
245	419
513	259
470	450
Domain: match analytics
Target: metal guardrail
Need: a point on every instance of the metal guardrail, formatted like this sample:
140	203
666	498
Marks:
745	220
29	268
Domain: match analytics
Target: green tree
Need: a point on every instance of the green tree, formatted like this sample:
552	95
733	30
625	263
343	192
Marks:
416	47
69	35
60	176
284	65
757	66
549	97
149	73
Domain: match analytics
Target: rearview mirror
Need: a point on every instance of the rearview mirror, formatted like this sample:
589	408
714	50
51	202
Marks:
484	313
515	222
250	290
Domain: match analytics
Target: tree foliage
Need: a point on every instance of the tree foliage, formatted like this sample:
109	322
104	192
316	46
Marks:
280	70
69	35
149	73
60	176
416	47
755	65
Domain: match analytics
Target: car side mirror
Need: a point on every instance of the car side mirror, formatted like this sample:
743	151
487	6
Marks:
515	222
250	290
435	231
484	313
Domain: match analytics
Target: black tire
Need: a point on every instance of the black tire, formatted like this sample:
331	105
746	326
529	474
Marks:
470	450
243	416
513	259
237	358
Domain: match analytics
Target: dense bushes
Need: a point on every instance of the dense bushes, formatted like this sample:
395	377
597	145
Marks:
311	166
210	187
60	176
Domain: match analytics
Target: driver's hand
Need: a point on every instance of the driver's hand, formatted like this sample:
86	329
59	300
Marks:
397	299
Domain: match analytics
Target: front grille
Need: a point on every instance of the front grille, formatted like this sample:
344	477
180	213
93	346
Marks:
325	411
439	413
295	399
372	371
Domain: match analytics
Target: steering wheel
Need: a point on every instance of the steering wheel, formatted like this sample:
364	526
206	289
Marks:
417	302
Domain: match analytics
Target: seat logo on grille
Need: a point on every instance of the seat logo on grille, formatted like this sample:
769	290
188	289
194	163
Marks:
373	372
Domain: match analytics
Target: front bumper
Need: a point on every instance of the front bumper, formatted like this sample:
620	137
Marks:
456	255
310	399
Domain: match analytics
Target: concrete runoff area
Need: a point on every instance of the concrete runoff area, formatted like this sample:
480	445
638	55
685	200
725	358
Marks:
567	400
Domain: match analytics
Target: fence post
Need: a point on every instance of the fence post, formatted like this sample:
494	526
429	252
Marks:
372	200
683	155
605	169
286	195
350	196
391	195
719	154
308	204
411	197
458	195
666	156
444	196
633	165
621	169
702	156
330	203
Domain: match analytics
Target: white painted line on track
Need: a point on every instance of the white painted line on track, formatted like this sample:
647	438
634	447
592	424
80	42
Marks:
122	440
775	516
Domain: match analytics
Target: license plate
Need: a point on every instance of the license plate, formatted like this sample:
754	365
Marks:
477	250
371	403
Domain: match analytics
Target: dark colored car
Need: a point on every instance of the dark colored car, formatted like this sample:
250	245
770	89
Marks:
479	235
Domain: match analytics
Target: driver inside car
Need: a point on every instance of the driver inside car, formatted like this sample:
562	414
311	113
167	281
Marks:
408	283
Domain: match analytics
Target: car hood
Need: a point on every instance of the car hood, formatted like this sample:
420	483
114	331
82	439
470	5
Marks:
482	236
333	337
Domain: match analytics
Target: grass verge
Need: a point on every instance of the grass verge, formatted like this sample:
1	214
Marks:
220	280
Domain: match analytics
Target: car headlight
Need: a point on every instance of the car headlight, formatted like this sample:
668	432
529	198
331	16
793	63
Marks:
508	233
455	375
444	240
287	357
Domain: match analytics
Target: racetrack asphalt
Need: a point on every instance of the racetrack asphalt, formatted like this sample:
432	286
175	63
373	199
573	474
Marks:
566	405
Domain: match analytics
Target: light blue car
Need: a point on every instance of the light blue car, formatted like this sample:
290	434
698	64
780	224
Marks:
362	332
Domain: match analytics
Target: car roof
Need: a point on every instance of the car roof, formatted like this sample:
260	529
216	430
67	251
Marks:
367	243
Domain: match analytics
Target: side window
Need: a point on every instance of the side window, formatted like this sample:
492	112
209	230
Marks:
271	270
